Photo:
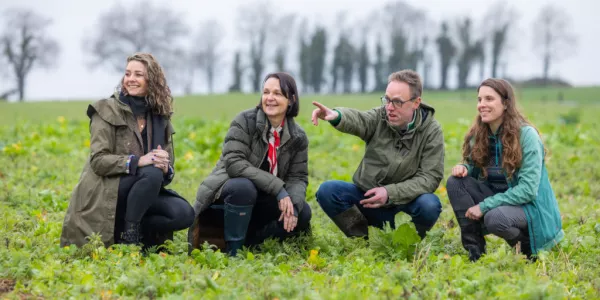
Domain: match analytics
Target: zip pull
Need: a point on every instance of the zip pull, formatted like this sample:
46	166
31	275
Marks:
497	150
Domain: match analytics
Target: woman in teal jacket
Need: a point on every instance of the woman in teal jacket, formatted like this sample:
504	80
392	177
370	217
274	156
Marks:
503	187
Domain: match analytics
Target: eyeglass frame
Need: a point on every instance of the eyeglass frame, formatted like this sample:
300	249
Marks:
385	101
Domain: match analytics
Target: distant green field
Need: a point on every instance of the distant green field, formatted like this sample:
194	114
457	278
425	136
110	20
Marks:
536	100
44	145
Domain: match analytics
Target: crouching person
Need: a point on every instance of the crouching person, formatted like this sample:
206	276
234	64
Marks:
402	166
503	187
258	187
121	194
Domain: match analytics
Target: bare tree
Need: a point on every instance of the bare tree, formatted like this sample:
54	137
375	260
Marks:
123	30
404	27
448	51
26	45
208	52
4	94
284	30
471	50
238	71
255	22
552	36
501	20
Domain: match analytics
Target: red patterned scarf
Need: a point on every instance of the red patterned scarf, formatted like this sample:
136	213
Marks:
274	141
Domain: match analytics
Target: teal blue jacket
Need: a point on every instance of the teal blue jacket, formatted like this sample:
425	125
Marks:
531	189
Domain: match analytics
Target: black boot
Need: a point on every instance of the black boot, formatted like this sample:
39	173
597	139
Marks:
352	223
471	235
525	245
236	220
131	234
271	230
422	230
155	239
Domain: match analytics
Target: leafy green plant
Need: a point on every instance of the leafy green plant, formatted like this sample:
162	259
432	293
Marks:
38	174
398	243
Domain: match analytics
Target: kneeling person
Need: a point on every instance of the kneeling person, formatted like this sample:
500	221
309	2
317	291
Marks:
258	188
402	166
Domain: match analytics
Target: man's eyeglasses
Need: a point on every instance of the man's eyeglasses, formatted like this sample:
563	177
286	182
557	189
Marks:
396	103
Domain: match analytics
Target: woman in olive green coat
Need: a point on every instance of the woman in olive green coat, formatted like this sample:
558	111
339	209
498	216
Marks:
121	192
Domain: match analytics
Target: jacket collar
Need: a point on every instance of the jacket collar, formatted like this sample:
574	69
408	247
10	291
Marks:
263	125
127	116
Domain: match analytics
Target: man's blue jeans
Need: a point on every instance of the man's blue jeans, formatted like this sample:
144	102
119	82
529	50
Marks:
336	196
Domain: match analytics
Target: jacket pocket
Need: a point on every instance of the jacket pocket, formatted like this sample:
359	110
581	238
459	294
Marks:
124	138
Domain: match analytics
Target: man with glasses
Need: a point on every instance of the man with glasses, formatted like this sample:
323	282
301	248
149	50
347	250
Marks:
402	166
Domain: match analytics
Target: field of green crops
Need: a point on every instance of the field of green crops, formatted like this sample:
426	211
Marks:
43	147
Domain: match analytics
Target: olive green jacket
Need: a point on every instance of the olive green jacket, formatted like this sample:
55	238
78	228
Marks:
407	164
244	150
114	135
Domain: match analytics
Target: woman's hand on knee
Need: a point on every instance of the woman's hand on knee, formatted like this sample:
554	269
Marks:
160	153
474	213
459	171
286	207
146	160
289	223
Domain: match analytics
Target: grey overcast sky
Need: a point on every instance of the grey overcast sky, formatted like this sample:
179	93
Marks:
73	19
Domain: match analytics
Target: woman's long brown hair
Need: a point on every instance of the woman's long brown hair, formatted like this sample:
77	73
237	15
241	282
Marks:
512	120
159	94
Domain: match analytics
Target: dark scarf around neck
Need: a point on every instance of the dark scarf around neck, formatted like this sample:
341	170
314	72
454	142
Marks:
140	108
138	105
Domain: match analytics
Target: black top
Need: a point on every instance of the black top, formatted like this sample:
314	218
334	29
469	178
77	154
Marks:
496	179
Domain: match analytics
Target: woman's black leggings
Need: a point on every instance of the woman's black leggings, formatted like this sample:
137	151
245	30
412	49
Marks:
141	200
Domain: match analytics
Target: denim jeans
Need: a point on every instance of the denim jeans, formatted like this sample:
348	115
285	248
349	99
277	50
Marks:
335	197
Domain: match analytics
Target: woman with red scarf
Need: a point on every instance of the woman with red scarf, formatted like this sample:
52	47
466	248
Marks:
259	183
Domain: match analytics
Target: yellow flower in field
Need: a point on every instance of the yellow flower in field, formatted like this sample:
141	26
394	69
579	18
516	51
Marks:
86	143
442	189
61	119
188	155
41	216
106	294
215	276
355	147
134	254
314	259
17	146
192	135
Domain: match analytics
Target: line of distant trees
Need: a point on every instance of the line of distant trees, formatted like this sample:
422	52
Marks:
343	57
